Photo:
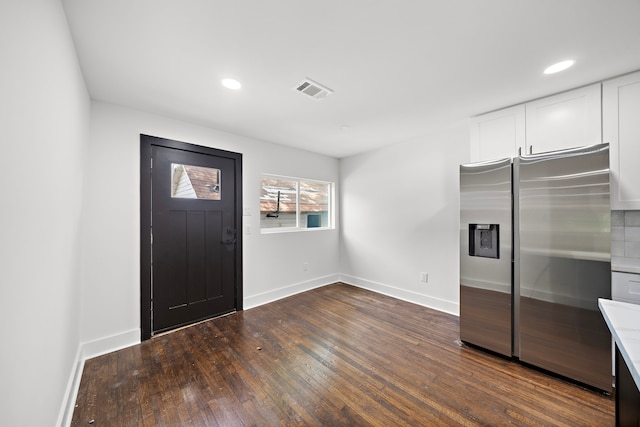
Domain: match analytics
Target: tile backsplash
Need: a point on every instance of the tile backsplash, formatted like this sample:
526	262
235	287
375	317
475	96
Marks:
625	238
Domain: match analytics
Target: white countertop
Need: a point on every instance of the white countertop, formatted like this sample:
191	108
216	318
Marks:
623	320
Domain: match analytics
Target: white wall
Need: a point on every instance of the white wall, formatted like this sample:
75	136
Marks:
44	118
272	262
400	216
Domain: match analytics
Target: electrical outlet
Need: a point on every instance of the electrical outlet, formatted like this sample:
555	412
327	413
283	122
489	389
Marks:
424	277
305	266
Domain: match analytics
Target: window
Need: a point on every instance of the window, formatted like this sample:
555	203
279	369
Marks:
194	182
294	204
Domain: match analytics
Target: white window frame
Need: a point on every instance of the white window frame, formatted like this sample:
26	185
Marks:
298	227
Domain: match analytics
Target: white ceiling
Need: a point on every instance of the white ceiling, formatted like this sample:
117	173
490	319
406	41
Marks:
400	69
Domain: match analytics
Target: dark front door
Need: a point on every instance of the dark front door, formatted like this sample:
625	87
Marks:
194	257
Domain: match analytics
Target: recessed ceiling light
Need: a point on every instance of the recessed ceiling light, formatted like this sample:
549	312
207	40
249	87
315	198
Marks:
560	66
231	84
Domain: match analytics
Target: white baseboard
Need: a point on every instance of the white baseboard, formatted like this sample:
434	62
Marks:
70	393
403	294
86	351
286	291
111	343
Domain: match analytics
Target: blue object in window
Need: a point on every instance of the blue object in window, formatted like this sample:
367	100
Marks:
313	220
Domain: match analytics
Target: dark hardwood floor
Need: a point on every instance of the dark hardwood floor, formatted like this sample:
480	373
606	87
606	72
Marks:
334	356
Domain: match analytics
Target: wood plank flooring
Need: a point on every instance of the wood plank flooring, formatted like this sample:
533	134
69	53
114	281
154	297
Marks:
334	356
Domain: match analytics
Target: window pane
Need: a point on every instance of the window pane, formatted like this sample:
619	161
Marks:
278	203
314	204
194	182
294	204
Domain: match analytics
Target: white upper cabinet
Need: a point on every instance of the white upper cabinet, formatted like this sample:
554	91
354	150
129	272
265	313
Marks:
607	112
621	129
567	120
498	134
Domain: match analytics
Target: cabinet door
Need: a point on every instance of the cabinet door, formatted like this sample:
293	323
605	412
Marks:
625	287
621	129
497	135
567	120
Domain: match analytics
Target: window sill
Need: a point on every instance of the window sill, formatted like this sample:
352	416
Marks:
279	230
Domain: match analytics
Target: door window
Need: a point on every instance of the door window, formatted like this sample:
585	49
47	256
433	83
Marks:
194	182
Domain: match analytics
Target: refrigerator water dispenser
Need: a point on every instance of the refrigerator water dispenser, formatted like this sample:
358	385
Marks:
484	240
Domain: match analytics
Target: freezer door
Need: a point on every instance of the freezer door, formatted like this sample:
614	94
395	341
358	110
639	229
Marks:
565	262
485	255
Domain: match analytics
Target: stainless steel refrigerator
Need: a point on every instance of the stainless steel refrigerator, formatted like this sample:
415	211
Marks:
535	258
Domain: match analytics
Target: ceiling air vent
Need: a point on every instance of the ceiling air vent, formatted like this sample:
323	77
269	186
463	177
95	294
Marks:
313	89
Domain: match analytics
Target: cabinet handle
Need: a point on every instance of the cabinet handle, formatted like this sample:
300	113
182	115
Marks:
531	149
